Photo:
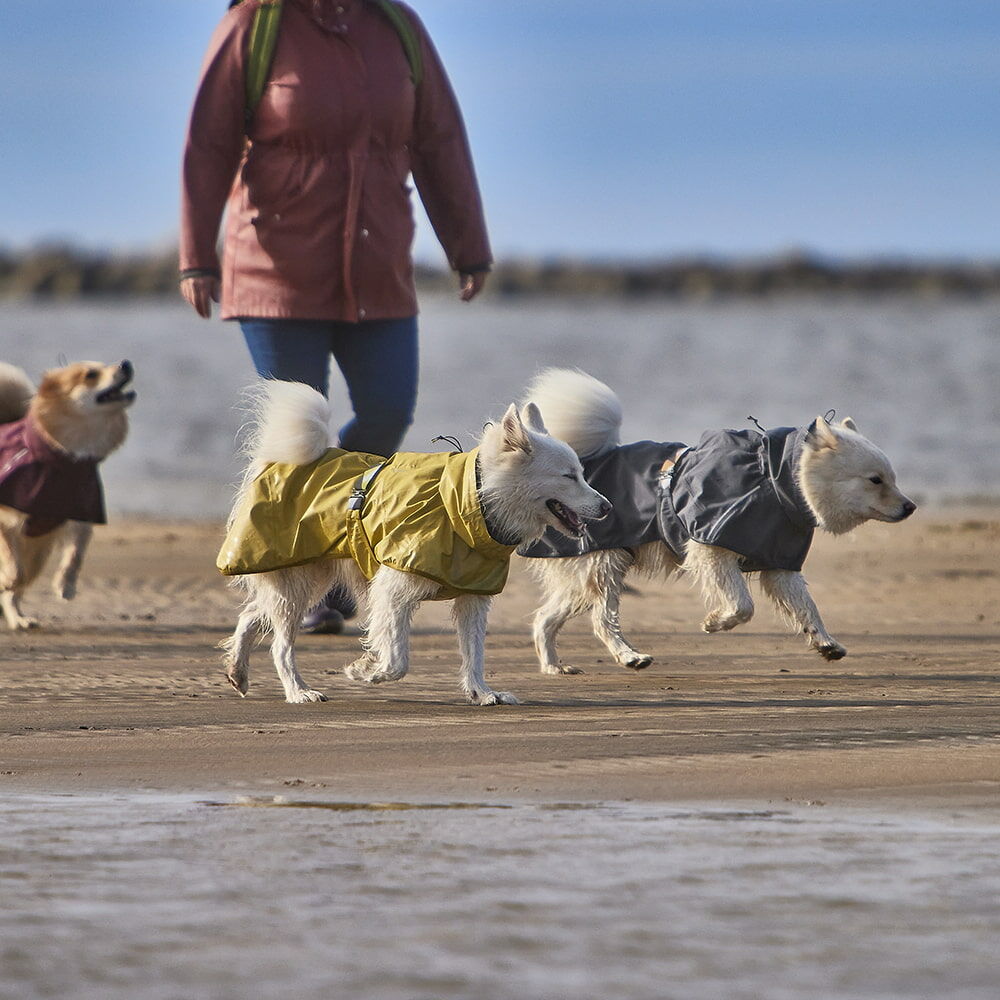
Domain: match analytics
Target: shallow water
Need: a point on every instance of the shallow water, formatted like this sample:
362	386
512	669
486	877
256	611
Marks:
167	897
920	377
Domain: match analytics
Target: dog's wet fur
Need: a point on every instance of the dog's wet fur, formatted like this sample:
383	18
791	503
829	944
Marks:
844	479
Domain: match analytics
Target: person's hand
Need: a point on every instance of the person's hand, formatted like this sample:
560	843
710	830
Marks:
472	285
201	291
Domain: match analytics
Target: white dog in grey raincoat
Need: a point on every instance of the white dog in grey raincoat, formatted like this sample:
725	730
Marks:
740	501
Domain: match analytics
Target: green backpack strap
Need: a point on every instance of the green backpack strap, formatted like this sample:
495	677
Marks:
264	37
407	36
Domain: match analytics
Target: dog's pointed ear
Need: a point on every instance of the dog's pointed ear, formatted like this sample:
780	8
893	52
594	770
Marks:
821	435
514	435
848	424
531	416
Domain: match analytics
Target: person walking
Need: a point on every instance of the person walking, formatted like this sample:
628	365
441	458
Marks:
313	177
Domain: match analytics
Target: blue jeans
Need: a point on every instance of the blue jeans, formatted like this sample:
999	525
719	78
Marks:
378	359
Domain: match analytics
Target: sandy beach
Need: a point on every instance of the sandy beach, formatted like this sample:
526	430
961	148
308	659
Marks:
122	689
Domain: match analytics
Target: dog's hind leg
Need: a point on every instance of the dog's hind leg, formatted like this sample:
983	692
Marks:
237	649
794	603
470	613
21	558
723	586
608	581
393	597
10	602
565	585
297	692
76	538
285	627
281	598
549	619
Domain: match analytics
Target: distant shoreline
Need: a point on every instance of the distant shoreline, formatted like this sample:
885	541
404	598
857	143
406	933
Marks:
66	273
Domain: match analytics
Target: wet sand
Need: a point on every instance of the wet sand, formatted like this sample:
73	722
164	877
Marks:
122	689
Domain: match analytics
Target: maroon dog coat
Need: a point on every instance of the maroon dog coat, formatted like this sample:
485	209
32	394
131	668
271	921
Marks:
46	483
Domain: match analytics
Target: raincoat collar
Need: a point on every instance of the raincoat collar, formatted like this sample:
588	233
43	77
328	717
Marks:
783	449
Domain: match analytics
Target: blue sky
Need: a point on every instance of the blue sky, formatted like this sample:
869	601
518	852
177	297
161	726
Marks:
624	130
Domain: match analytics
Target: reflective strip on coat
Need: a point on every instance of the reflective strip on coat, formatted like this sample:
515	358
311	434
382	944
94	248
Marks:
421	514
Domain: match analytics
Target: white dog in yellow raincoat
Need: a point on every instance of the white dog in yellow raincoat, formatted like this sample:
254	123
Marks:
401	530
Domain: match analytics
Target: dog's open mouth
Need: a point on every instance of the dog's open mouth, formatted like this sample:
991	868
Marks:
116	392
572	522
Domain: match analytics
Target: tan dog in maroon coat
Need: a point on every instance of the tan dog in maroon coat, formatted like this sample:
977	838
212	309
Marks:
51	442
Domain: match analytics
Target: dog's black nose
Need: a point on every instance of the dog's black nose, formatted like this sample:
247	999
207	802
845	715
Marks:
126	368
908	508
606	509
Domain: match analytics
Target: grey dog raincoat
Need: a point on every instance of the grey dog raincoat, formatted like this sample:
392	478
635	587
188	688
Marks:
736	489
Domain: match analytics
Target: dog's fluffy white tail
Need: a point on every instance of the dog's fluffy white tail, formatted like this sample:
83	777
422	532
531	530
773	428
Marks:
577	408
289	422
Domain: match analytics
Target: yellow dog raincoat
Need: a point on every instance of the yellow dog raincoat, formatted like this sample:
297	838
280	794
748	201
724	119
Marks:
418	513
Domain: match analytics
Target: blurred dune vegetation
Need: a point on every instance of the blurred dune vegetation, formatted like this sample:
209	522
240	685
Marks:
62	272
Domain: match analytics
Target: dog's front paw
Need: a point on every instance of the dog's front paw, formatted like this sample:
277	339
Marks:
493	698
21	623
369	670
561	669
717	622
302	696
361	669
65	590
723	621
385	675
831	650
240	680
638	661
824	644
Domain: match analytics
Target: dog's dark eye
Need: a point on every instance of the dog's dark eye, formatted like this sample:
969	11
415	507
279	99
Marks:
877	480
92	374
570	475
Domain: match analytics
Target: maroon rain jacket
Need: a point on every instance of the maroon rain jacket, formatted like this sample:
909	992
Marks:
46	483
319	222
